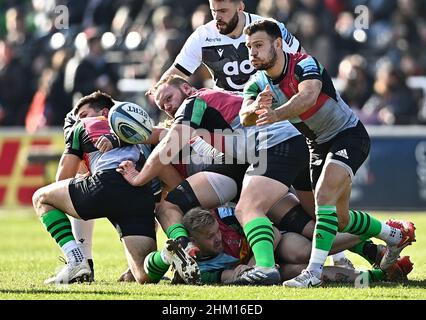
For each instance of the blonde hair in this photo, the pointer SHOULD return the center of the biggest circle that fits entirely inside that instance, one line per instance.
(196, 219)
(172, 80)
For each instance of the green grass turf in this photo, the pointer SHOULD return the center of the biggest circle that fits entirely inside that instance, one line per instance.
(28, 256)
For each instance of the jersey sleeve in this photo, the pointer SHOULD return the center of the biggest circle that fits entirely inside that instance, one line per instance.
(290, 42)
(190, 56)
(69, 122)
(192, 111)
(73, 140)
(307, 69)
(251, 89)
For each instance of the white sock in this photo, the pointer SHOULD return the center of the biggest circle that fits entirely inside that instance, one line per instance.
(83, 233)
(316, 262)
(390, 235)
(72, 251)
(338, 256)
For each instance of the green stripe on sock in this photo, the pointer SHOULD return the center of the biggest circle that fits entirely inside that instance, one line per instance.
(64, 238)
(176, 231)
(154, 266)
(58, 225)
(363, 224)
(260, 235)
(360, 225)
(251, 234)
(325, 227)
(329, 221)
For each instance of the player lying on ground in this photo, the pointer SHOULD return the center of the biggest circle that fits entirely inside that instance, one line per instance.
(224, 254)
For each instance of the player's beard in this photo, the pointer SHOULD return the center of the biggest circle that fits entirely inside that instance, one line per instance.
(270, 61)
(230, 26)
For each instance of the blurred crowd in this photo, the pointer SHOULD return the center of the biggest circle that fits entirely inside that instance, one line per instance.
(52, 52)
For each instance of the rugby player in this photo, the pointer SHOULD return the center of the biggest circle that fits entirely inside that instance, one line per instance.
(220, 45)
(224, 251)
(103, 193)
(297, 88)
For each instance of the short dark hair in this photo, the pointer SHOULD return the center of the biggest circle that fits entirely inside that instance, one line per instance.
(96, 100)
(196, 219)
(268, 25)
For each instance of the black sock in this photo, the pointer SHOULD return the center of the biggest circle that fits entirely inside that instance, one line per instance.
(91, 265)
(370, 250)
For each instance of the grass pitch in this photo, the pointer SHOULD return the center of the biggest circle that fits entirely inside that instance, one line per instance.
(28, 256)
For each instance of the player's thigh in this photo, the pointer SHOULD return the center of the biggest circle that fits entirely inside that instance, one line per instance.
(282, 207)
(168, 214)
(203, 190)
(333, 183)
(56, 195)
(226, 179)
(307, 201)
(260, 193)
(293, 248)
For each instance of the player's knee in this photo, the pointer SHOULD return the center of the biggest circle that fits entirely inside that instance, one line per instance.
(184, 197)
(249, 207)
(38, 199)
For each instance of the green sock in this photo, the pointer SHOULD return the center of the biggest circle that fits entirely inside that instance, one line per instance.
(260, 236)
(176, 231)
(375, 275)
(58, 225)
(362, 224)
(325, 227)
(360, 249)
(154, 266)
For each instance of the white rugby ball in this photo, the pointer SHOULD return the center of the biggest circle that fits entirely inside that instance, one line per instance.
(130, 122)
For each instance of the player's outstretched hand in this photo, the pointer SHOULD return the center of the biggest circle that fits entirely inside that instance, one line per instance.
(128, 170)
(265, 98)
(266, 115)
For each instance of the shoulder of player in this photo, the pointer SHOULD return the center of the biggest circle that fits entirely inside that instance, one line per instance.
(253, 17)
(303, 60)
(206, 30)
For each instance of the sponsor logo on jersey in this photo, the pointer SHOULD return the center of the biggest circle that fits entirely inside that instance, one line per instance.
(213, 39)
(232, 68)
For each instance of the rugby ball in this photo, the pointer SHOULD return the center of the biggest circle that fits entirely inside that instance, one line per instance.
(130, 122)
